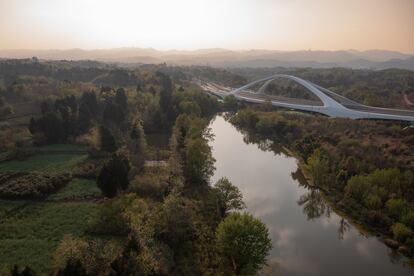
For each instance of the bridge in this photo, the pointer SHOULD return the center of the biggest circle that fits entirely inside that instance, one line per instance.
(330, 104)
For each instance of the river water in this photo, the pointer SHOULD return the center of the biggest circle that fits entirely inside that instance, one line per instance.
(309, 238)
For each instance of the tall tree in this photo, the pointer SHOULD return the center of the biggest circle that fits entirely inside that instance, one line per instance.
(121, 98)
(199, 162)
(113, 177)
(165, 93)
(228, 197)
(243, 243)
(108, 142)
(137, 145)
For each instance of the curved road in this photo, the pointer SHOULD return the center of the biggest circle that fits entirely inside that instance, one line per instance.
(340, 107)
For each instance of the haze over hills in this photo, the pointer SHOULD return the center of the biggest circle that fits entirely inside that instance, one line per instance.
(374, 59)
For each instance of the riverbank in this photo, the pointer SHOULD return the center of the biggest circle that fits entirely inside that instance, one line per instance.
(309, 236)
(352, 217)
(353, 163)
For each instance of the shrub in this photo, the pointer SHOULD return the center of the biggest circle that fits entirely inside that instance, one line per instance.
(110, 219)
(372, 202)
(408, 219)
(401, 232)
(396, 207)
(31, 185)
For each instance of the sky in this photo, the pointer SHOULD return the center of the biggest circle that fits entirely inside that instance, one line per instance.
(196, 24)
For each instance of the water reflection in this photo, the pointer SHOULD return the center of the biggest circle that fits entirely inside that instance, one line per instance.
(308, 236)
(314, 205)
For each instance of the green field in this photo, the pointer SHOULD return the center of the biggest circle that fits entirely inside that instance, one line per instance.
(60, 148)
(30, 234)
(31, 230)
(77, 189)
(51, 162)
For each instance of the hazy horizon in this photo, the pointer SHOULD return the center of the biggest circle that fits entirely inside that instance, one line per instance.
(202, 49)
(295, 25)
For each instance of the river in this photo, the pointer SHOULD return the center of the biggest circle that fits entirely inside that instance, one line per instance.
(309, 238)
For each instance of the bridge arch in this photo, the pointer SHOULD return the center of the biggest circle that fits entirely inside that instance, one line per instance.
(334, 105)
(325, 99)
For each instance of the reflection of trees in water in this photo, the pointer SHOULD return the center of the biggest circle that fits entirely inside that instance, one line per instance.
(261, 142)
(344, 227)
(394, 256)
(299, 177)
(314, 205)
(272, 268)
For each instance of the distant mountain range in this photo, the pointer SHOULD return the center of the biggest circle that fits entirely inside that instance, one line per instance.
(373, 59)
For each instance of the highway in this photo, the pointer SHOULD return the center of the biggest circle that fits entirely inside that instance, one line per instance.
(331, 103)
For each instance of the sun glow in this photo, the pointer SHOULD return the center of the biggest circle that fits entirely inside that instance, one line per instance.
(190, 24)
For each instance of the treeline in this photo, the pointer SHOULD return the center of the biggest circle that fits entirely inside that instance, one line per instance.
(366, 167)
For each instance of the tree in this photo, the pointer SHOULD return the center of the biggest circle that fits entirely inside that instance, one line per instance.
(396, 207)
(27, 271)
(190, 108)
(84, 118)
(53, 128)
(121, 98)
(90, 103)
(175, 222)
(165, 93)
(73, 267)
(318, 166)
(108, 142)
(113, 114)
(401, 232)
(113, 176)
(228, 197)
(243, 243)
(137, 145)
(45, 107)
(199, 162)
(230, 103)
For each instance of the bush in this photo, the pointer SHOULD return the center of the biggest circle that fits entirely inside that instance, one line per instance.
(372, 202)
(30, 185)
(396, 207)
(401, 232)
(110, 219)
(408, 219)
(376, 218)
(154, 185)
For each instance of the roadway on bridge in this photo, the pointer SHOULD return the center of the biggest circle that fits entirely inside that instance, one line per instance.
(341, 107)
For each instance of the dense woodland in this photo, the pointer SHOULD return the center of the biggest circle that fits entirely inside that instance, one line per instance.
(86, 190)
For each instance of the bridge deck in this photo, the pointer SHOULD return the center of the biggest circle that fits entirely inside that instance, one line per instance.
(399, 112)
(281, 99)
(341, 107)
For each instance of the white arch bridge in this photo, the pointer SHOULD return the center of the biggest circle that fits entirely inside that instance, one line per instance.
(331, 103)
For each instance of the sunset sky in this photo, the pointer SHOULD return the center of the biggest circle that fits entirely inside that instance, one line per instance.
(194, 24)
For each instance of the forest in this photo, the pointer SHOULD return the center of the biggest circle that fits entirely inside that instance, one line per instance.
(106, 171)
